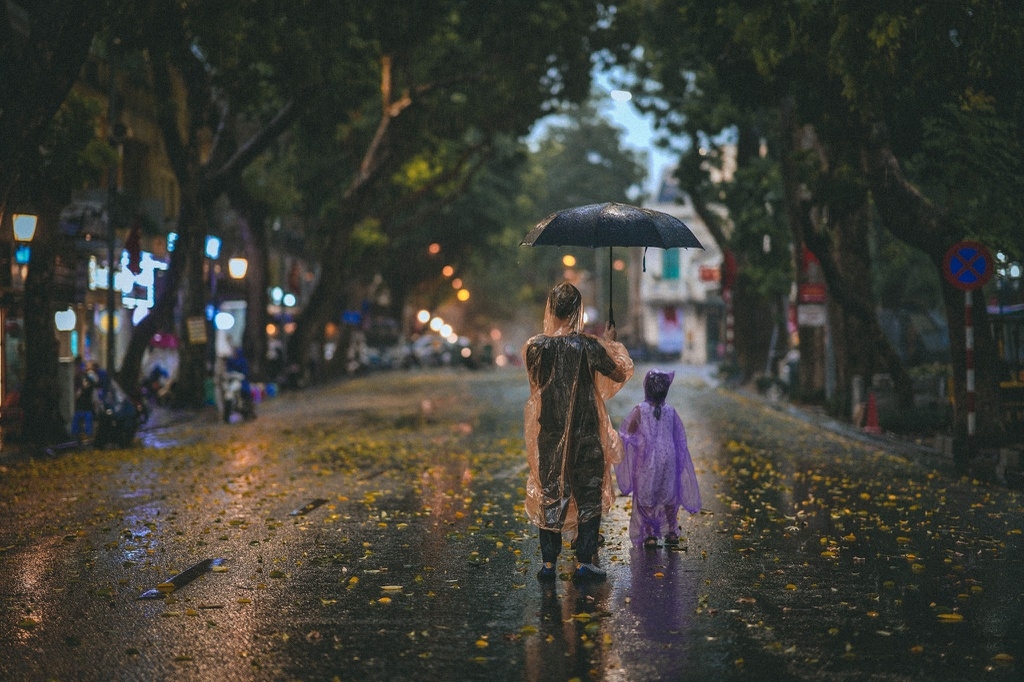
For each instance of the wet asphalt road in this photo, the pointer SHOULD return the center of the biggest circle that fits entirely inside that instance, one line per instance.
(816, 557)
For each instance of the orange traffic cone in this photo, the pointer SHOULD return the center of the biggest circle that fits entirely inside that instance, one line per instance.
(871, 424)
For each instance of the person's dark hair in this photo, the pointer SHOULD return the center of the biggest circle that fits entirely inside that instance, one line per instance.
(656, 384)
(565, 300)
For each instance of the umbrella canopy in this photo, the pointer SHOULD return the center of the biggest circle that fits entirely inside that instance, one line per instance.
(611, 224)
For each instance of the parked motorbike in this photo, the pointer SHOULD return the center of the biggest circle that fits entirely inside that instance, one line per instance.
(118, 417)
(235, 396)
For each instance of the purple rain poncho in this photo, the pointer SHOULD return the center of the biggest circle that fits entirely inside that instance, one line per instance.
(656, 469)
(571, 444)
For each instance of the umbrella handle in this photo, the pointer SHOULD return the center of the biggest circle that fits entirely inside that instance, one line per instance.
(611, 269)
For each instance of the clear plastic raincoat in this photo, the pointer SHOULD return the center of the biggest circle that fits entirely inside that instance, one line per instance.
(657, 469)
(571, 444)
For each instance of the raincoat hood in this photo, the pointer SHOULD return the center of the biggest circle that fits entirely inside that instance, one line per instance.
(656, 384)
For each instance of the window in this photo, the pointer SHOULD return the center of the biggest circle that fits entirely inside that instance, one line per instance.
(670, 264)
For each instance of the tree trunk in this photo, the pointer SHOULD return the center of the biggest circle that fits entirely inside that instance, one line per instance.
(44, 423)
(254, 236)
(756, 317)
(322, 306)
(193, 356)
(861, 346)
(916, 220)
(837, 236)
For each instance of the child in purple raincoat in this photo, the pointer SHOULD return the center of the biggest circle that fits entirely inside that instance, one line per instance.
(656, 469)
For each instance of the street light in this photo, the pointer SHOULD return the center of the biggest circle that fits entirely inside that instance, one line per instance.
(212, 247)
(24, 231)
(65, 320)
(24, 226)
(237, 267)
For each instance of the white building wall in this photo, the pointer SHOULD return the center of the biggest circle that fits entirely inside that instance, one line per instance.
(691, 295)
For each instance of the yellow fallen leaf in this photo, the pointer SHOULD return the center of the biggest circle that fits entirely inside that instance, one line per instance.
(166, 588)
(659, 574)
(528, 630)
(950, 617)
(790, 586)
(1003, 658)
(385, 600)
(244, 600)
(219, 569)
(482, 643)
(391, 588)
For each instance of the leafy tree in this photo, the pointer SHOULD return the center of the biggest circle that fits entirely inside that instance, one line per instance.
(867, 95)
(42, 48)
(246, 72)
(451, 79)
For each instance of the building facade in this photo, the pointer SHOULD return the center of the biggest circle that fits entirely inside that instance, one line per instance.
(675, 294)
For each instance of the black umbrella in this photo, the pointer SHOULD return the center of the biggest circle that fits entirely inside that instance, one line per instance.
(611, 224)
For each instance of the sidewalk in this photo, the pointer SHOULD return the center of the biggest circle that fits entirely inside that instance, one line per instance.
(160, 417)
(1004, 466)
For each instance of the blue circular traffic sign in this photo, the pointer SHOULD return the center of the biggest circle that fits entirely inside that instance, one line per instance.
(968, 265)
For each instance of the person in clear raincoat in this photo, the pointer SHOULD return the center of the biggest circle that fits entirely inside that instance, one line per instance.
(657, 469)
(570, 442)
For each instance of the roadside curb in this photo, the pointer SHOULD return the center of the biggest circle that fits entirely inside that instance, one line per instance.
(1002, 467)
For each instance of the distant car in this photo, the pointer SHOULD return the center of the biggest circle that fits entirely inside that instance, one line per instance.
(429, 351)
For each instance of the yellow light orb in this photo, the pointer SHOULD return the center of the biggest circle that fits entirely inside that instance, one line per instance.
(568, 260)
(463, 295)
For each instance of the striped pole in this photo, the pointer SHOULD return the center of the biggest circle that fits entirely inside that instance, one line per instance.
(969, 348)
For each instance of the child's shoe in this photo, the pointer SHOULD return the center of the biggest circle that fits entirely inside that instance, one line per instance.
(671, 539)
(651, 542)
(589, 573)
(547, 573)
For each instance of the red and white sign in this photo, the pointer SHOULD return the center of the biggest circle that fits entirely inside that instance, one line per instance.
(810, 315)
(810, 292)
